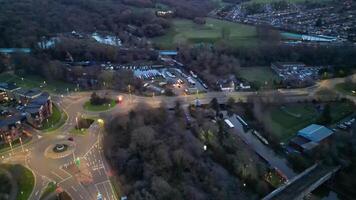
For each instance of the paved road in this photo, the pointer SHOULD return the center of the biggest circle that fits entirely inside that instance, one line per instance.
(262, 150)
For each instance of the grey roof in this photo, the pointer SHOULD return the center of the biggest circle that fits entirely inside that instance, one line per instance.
(315, 133)
(29, 93)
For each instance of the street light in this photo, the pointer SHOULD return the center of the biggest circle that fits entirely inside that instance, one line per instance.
(101, 122)
(21, 144)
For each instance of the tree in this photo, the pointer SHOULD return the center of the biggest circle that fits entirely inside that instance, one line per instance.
(214, 104)
(325, 117)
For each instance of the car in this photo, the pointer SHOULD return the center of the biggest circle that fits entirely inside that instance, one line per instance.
(71, 139)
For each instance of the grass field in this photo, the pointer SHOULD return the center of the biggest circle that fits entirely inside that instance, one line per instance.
(24, 178)
(186, 31)
(57, 119)
(259, 76)
(347, 88)
(290, 1)
(96, 108)
(287, 120)
(31, 81)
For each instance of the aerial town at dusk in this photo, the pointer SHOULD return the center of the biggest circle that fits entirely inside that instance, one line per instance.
(178, 100)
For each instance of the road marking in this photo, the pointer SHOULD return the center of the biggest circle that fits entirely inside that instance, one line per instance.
(57, 175)
(70, 175)
(106, 190)
(64, 180)
(74, 189)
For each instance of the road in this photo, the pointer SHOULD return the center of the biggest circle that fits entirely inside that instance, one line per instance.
(262, 150)
(89, 148)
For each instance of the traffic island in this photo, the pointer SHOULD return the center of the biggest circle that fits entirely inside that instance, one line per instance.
(99, 103)
(99, 107)
(82, 125)
(60, 149)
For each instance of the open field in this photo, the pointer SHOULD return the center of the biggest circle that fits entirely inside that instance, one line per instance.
(186, 31)
(285, 121)
(24, 178)
(347, 88)
(259, 76)
(31, 81)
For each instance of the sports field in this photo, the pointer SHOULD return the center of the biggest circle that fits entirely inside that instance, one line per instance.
(186, 31)
(287, 120)
(259, 76)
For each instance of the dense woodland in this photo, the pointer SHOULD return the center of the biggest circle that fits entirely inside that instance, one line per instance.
(156, 157)
(24, 22)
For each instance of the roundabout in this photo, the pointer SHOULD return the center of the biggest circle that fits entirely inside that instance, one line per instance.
(60, 149)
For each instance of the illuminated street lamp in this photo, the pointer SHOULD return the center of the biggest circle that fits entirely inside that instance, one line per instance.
(101, 122)
(76, 122)
(21, 144)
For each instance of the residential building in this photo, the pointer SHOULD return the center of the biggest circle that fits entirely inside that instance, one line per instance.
(7, 91)
(24, 96)
(39, 109)
(11, 128)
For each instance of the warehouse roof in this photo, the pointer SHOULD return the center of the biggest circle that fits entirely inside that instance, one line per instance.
(315, 133)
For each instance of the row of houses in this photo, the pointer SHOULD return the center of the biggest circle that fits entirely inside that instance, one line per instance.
(31, 106)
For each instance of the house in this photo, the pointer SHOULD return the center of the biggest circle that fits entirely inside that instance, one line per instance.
(310, 137)
(228, 84)
(7, 91)
(164, 13)
(11, 128)
(39, 109)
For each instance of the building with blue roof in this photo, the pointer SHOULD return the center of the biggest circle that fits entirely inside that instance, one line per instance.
(315, 133)
(310, 137)
(168, 53)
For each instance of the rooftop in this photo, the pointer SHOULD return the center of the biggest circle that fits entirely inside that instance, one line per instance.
(8, 86)
(288, 64)
(315, 133)
(12, 120)
(29, 93)
(168, 53)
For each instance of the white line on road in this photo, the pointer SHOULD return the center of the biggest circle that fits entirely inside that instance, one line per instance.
(57, 175)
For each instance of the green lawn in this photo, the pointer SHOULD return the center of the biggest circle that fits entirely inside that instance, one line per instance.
(290, 1)
(347, 88)
(259, 76)
(186, 31)
(287, 120)
(57, 119)
(96, 108)
(24, 178)
(31, 81)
